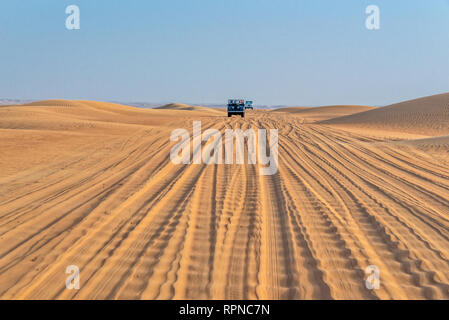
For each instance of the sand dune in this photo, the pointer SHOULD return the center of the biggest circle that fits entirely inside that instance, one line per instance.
(427, 116)
(290, 109)
(178, 106)
(186, 107)
(313, 114)
(91, 184)
(430, 143)
(71, 115)
(436, 147)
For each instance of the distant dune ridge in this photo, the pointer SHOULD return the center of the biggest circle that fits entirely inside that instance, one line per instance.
(186, 107)
(177, 106)
(324, 112)
(290, 109)
(69, 115)
(427, 116)
(56, 103)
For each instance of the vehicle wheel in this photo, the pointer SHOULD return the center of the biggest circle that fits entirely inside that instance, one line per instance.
(243, 115)
(229, 115)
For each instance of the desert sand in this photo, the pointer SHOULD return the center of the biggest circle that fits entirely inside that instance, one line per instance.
(426, 116)
(91, 184)
(313, 114)
(184, 107)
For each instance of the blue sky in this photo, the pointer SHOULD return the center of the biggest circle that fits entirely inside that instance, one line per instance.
(294, 52)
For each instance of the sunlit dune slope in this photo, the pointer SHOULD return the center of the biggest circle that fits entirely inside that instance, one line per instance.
(323, 113)
(435, 146)
(73, 115)
(426, 116)
(186, 107)
(178, 106)
(290, 109)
